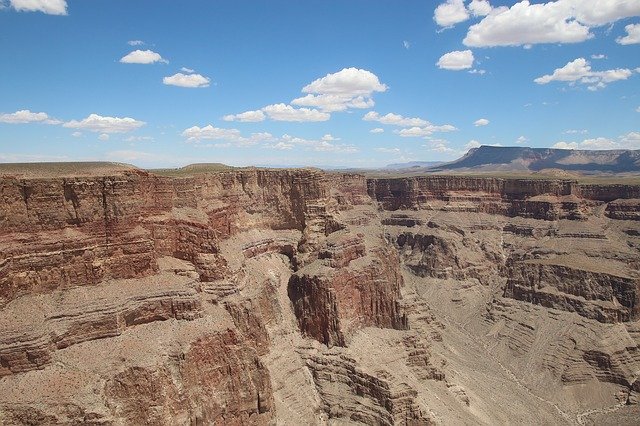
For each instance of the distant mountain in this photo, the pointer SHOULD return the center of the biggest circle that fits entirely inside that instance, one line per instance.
(412, 164)
(512, 159)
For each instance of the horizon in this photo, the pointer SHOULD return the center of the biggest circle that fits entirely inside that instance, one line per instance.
(165, 85)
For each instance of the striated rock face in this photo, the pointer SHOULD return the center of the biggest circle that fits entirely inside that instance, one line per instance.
(250, 296)
(346, 290)
(597, 295)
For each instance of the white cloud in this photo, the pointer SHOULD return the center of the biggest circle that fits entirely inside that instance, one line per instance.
(348, 81)
(477, 71)
(135, 42)
(414, 127)
(480, 7)
(50, 7)
(139, 139)
(329, 138)
(25, 116)
(522, 139)
(456, 60)
(425, 131)
(471, 144)
(324, 144)
(76, 134)
(562, 21)
(282, 112)
(394, 119)
(334, 102)
(440, 146)
(98, 123)
(381, 130)
(246, 117)
(233, 137)
(348, 88)
(388, 150)
(142, 57)
(638, 109)
(187, 70)
(633, 35)
(450, 13)
(579, 71)
(187, 80)
(103, 137)
(406, 44)
(196, 133)
(576, 132)
(481, 122)
(565, 145)
(630, 140)
(599, 56)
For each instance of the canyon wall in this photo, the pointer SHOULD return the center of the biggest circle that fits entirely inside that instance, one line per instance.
(131, 296)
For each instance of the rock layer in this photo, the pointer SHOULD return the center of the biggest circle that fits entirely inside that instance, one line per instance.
(296, 296)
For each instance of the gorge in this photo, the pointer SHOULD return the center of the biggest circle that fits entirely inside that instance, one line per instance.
(298, 296)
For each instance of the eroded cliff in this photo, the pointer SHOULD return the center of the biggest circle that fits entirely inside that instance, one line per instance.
(296, 296)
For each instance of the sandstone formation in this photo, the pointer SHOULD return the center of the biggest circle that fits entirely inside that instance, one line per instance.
(252, 296)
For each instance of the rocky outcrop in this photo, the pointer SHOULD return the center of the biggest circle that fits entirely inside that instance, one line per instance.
(353, 395)
(332, 302)
(203, 293)
(601, 296)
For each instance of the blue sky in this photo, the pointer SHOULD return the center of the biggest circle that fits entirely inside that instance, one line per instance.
(358, 83)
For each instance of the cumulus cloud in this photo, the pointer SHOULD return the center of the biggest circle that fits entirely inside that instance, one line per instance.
(233, 137)
(187, 80)
(481, 122)
(471, 144)
(196, 133)
(381, 130)
(76, 134)
(630, 140)
(25, 116)
(246, 117)
(349, 81)
(187, 70)
(414, 127)
(440, 146)
(142, 57)
(450, 13)
(324, 144)
(394, 119)
(103, 137)
(522, 139)
(425, 131)
(98, 123)
(135, 42)
(561, 21)
(283, 112)
(456, 60)
(50, 7)
(406, 44)
(598, 56)
(633, 35)
(348, 88)
(480, 7)
(579, 71)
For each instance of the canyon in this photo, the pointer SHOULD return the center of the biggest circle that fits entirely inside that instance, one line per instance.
(299, 296)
